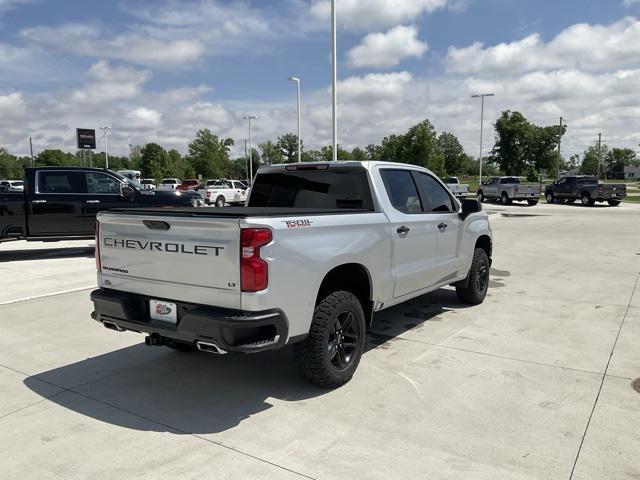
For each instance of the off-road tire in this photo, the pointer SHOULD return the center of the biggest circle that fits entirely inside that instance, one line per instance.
(475, 291)
(220, 201)
(314, 357)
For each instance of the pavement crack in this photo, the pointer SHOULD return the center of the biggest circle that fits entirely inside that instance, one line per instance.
(604, 376)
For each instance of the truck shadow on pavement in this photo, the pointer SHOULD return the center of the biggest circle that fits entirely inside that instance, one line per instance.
(46, 254)
(195, 393)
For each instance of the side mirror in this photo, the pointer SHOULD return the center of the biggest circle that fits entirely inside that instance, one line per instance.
(469, 206)
(127, 191)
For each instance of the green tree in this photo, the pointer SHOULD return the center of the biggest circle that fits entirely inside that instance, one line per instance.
(55, 158)
(593, 160)
(154, 161)
(359, 154)
(288, 145)
(618, 158)
(271, 153)
(512, 135)
(419, 146)
(374, 152)
(312, 156)
(326, 153)
(456, 162)
(209, 155)
(11, 167)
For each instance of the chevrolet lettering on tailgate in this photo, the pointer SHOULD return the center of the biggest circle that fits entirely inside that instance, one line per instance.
(131, 244)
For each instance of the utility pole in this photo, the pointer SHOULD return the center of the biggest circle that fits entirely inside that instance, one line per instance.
(297, 80)
(559, 142)
(246, 161)
(105, 130)
(31, 149)
(249, 118)
(334, 94)
(481, 97)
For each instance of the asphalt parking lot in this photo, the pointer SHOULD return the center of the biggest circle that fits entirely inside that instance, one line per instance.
(533, 384)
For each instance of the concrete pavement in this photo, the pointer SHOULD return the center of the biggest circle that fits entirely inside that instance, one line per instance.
(533, 384)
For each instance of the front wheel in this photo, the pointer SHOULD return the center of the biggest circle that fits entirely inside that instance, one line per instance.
(481, 197)
(220, 201)
(613, 203)
(477, 282)
(549, 197)
(504, 198)
(331, 352)
(532, 202)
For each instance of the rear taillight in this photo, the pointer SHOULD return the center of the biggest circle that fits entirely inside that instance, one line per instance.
(96, 230)
(600, 189)
(254, 271)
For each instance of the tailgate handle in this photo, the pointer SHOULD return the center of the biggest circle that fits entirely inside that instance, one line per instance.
(156, 224)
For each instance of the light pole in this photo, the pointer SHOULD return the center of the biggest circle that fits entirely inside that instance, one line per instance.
(334, 93)
(481, 96)
(249, 118)
(297, 80)
(105, 130)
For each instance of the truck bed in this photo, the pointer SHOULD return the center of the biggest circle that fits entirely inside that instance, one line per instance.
(238, 212)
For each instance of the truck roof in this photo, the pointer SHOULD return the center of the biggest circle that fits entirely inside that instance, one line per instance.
(338, 165)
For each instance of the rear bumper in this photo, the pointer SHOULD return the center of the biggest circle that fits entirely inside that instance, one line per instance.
(231, 330)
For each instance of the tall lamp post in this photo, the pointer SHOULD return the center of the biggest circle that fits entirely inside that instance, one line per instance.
(105, 130)
(249, 118)
(481, 96)
(297, 80)
(334, 93)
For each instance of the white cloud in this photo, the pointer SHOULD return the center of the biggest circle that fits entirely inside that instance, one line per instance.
(629, 3)
(90, 41)
(584, 46)
(374, 13)
(387, 49)
(108, 83)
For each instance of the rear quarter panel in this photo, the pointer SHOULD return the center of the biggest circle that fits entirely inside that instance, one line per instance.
(305, 249)
(12, 213)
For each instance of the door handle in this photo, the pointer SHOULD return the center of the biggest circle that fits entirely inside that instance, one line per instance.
(92, 201)
(403, 231)
(36, 202)
(442, 227)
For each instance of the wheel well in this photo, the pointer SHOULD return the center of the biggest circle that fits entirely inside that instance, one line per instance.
(350, 277)
(484, 242)
(585, 191)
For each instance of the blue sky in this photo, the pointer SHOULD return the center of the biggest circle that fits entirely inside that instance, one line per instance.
(158, 71)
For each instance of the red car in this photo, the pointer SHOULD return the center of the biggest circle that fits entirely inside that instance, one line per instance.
(190, 184)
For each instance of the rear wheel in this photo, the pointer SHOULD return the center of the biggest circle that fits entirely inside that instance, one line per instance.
(613, 203)
(532, 202)
(220, 201)
(586, 200)
(549, 197)
(504, 198)
(477, 285)
(331, 352)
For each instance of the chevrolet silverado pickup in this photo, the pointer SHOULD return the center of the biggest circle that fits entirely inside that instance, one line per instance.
(586, 189)
(507, 190)
(318, 249)
(62, 202)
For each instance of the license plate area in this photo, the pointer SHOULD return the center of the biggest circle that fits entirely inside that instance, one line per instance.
(162, 311)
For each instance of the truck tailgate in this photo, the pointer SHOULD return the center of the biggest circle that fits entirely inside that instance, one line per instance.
(190, 258)
(527, 189)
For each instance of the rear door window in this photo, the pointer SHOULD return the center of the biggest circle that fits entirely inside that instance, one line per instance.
(435, 199)
(402, 190)
(61, 182)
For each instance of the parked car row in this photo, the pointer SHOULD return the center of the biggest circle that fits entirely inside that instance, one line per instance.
(11, 186)
(568, 189)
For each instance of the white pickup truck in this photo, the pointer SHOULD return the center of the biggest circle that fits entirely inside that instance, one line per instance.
(319, 248)
(458, 189)
(222, 192)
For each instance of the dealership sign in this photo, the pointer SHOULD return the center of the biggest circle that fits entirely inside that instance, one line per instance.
(86, 138)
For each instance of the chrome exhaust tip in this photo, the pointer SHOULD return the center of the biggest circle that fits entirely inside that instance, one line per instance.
(112, 326)
(210, 348)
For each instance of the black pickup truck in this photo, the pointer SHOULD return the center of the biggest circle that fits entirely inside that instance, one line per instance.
(586, 189)
(61, 203)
